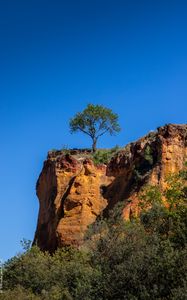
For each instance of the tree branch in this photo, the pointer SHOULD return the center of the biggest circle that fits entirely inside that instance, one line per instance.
(85, 132)
(102, 133)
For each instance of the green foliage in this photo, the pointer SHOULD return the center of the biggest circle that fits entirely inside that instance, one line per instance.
(95, 121)
(148, 155)
(176, 192)
(141, 259)
(65, 275)
(19, 293)
(103, 156)
(138, 264)
(26, 244)
(143, 165)
(151, 195)
(167, 218)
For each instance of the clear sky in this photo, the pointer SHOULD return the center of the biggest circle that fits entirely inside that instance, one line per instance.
(58, 56)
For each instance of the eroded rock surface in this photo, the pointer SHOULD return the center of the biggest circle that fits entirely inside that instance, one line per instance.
(70, 195)
(73, 192)
(148, 161)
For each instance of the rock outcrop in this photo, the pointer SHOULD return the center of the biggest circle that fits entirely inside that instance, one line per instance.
(148, 161)
(73, 192)
(70, 193)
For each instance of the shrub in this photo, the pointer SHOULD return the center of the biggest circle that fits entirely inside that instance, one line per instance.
(103, 156)
(140, 259)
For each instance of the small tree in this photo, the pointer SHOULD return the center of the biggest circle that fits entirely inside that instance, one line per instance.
(95, 121)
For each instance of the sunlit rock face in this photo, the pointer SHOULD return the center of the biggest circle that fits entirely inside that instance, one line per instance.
(73, 192)
(70, 193)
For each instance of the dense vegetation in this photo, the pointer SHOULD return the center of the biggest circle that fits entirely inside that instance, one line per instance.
(145, 258)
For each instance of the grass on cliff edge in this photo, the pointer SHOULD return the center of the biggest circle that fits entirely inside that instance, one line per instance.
(101, 156)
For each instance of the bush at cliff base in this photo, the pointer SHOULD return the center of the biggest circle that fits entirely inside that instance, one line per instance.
(144, 258)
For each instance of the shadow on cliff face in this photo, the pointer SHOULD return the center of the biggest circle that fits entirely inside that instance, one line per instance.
(147, 161)
(131, 168)
(45, 236)
(60, 212)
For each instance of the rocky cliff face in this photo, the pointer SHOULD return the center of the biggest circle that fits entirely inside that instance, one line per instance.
(148, 161)
(73, 191)
(70, 193)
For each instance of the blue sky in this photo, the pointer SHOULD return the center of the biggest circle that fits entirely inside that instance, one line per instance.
(58, 56)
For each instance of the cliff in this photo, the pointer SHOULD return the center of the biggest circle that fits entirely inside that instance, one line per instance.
(73, 192)
(69, 191)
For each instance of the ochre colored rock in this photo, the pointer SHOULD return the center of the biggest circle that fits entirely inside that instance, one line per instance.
(73, 192)
(148, 161)
(69, 190)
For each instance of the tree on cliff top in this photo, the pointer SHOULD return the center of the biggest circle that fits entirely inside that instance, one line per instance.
(95, 121)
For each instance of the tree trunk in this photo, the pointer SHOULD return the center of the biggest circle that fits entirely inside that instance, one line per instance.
(94, 145)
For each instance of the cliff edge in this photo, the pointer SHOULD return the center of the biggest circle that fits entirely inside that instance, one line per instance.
(73, 192)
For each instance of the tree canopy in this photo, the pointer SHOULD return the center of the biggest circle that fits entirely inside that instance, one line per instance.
(95, 121)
